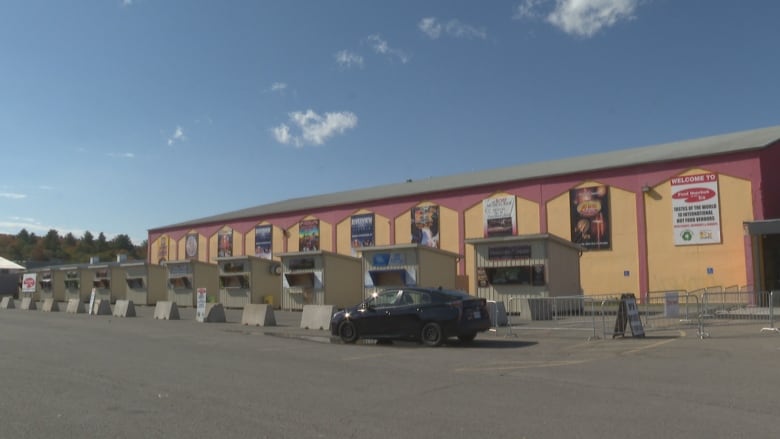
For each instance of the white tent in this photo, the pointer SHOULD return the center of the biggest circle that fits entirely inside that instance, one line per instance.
(12, 267)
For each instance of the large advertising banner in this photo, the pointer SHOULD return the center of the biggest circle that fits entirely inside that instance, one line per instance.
(162, 251)
(191, 246)
(362, 233)
(590, 217)
(425, 226)
(225, 243)
(309, 235)
(500, 216)
(263, 242)
(695, 209)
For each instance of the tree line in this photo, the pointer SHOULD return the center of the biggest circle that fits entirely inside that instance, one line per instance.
(30, 250)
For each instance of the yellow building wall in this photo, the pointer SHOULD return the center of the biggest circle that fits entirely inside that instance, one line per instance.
(277, 241)
(155, 250)
(672, 267)
(603, 271)
(344, 232)
(527, 223)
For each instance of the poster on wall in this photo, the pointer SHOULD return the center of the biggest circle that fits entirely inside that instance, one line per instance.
(309, 235)
(225, 243)
(500, 216)
(425, 226)
(263, 242)
(695, 209)
(590, 225)
(362, 227)
(162, 251)
(191, 246)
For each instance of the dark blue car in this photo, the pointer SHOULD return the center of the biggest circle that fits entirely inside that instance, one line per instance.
(430, 315)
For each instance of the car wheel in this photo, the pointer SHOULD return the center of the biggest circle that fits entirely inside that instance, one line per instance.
(466, 338)
(431, 334)
(348, 332)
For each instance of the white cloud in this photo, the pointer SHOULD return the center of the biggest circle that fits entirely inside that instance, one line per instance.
(314, 129)
(122, 155)
(381, 47)
(12, 196)
(178, 136)
(454, 28)
(127, 2)
(587, 17)
(278, 86)
(528, 9)
(583, 18)
(347, 59)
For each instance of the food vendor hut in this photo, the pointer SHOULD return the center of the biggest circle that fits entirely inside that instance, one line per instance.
(248, 279)
(320, 278)
(517, 270)
(407, 265)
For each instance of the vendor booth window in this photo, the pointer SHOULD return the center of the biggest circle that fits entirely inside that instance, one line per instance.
(233, 267)
(46, 285)
(180, 282)
(300, 279)
(102, 283)
(135, 283)
(382, 278)
(234, 281)
(509, 275)
(72, 284)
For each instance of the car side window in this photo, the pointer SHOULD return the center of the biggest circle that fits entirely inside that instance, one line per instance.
(383, 299)
(414, 298)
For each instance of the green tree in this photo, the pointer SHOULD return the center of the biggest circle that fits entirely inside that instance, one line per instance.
(102, 244)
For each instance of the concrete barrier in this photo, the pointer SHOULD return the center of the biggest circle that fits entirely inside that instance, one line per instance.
(215, 313)
(258, 315)
(166, 310)
(8, 303)
(317, 316)
(101, 308)
(75, 306)
(49, 305)
(124, 308)
(28, 304)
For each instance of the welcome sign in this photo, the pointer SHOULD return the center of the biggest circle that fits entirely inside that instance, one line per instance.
(695, 209)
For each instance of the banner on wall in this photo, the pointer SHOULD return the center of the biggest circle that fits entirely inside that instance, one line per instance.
(362, 227)
(309, 235)
(695, 209)
(590, 220)
(263, 241)
(425, 226)
(162, 251)
(500, 216)
(191, 246)
(225, 243)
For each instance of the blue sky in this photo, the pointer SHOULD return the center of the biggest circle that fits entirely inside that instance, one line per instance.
(120, 116)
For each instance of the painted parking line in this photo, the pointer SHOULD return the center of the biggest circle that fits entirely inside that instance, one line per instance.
(519, 365)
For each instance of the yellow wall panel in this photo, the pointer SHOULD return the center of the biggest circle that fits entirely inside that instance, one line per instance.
(603, 271)
(672, 267)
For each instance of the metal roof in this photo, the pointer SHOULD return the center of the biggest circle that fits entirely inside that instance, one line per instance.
(705, 146)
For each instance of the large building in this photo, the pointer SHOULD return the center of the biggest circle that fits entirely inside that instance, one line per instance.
(678, 216)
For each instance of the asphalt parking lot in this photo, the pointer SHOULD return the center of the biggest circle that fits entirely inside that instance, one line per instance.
(74, 375)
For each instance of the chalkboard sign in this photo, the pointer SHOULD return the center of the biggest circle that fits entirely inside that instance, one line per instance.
(628, 314)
